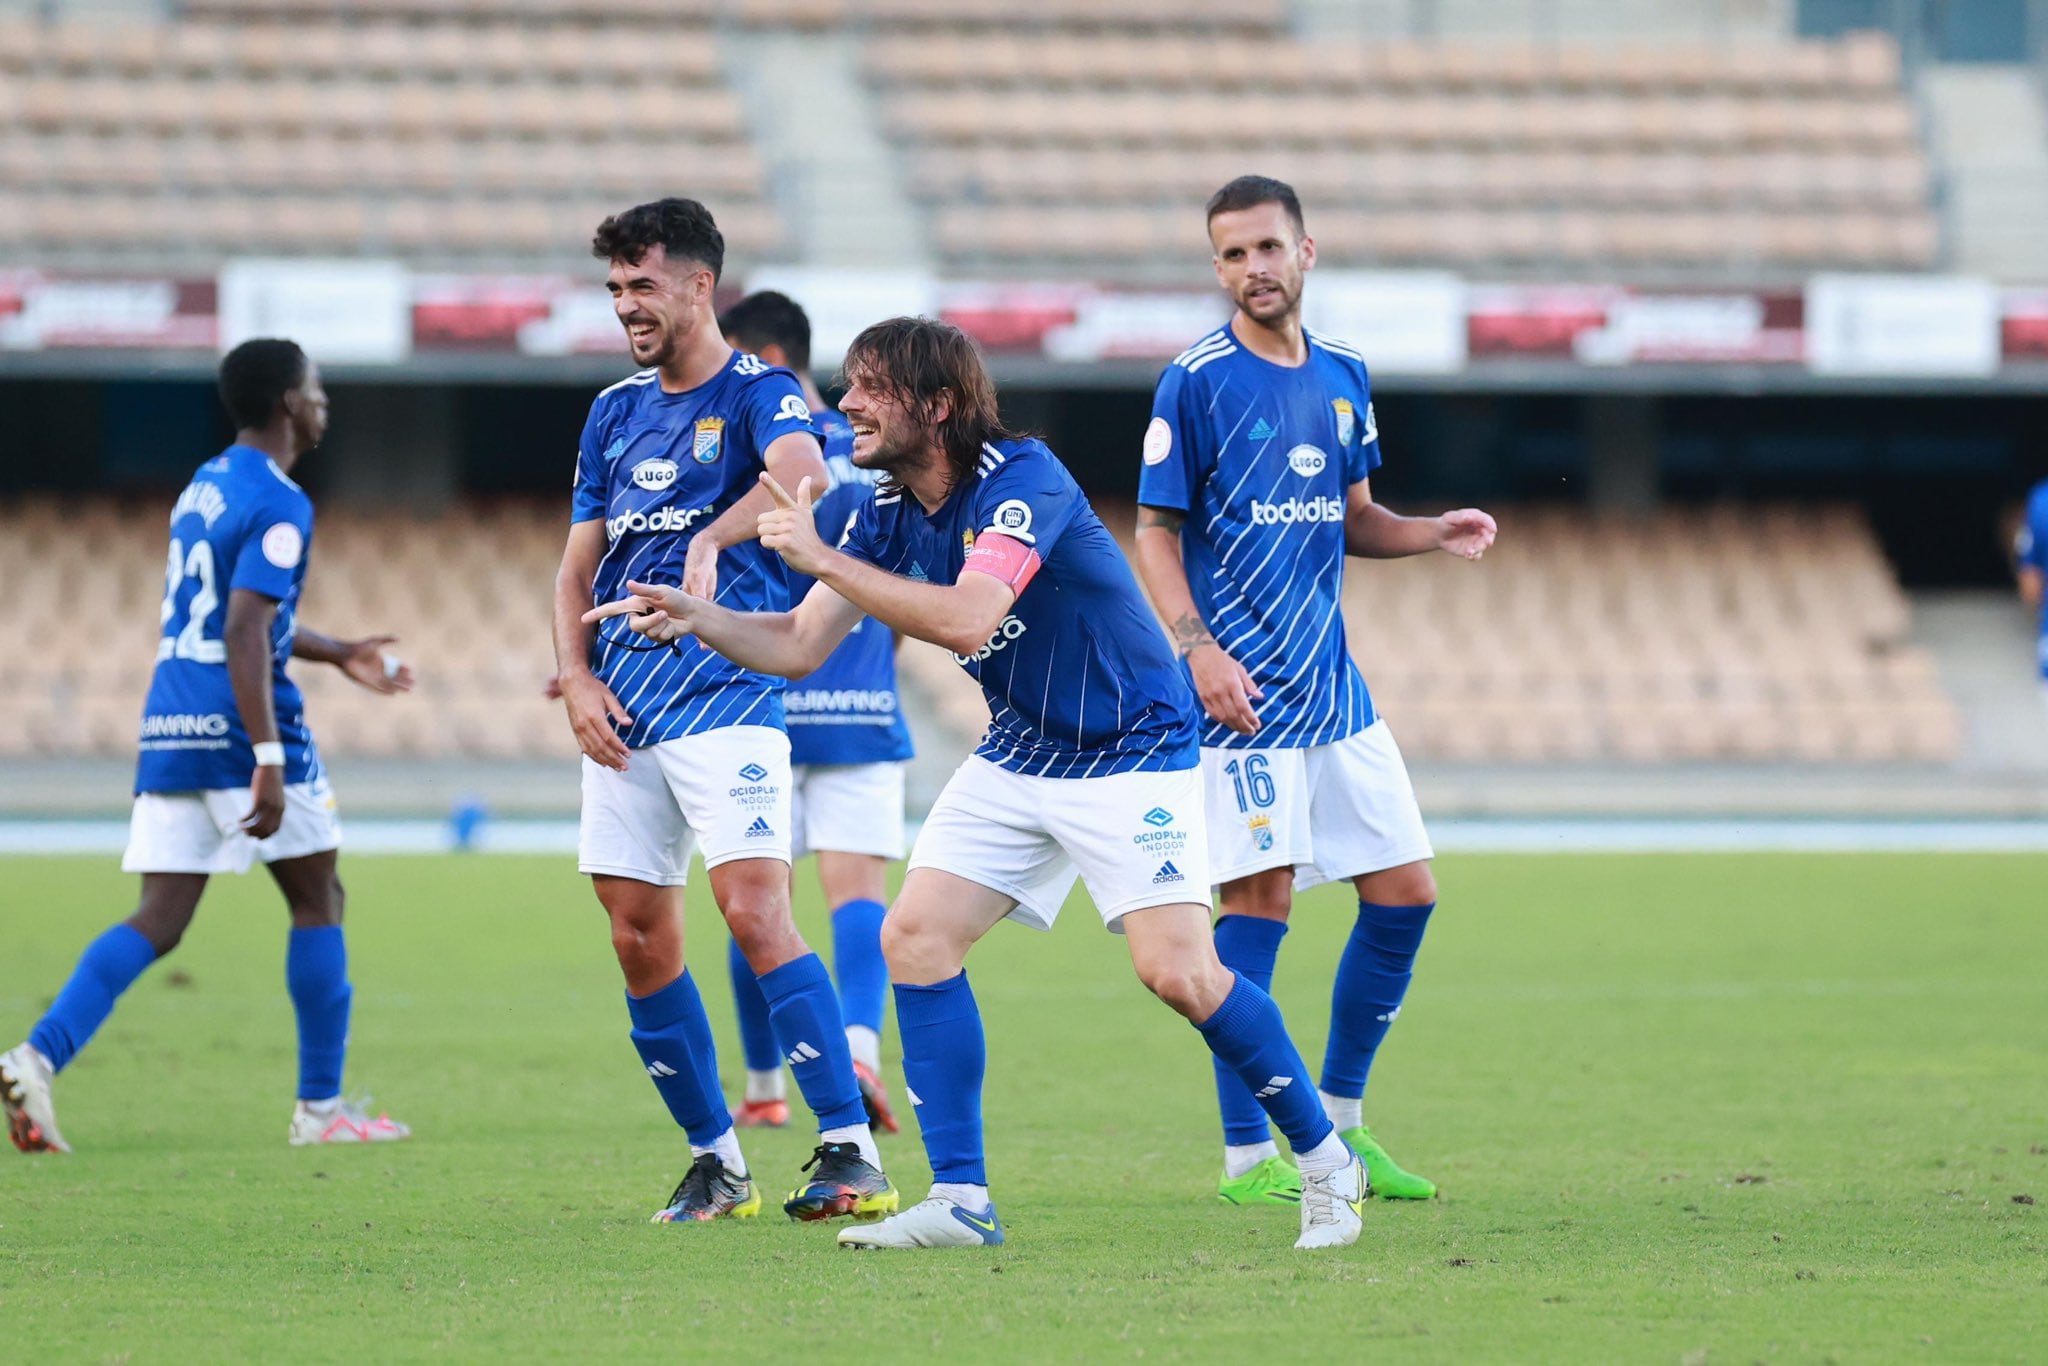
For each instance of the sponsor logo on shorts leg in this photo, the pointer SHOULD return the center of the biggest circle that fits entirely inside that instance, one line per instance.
(753, 794)
(1159, 815)
(1167, 873)
(1262, 832)
(760, 829)
(753, 773)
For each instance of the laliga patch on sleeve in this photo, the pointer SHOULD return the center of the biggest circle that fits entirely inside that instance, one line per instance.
(793, 409)
(282, 545)
(1158, 441)
(1012, 517)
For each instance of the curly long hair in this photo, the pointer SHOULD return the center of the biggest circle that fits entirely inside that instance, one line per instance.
(923, 361)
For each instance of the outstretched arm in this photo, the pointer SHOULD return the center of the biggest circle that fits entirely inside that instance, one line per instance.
(364, 661)
(790, 644)
(792, 457)
(1378, 533)
(1224, 685)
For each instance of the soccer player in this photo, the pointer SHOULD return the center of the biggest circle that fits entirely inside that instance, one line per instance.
(1254, 488)
(228, 772)
(680, 746)
(847, 748)
(980, 541)
(2030, 553)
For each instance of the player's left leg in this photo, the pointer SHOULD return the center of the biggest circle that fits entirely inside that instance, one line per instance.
(107, 968)
(316, 975)
(1175, 957)
(1369, 830)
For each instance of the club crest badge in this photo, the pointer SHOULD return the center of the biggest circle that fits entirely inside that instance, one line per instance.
(1262, 832)
(710, 438)
(966, 543)
(1347, 420)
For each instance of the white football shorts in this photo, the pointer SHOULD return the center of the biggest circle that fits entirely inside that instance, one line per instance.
(199, 832)
(1135, 839)
(724, 791)
(847, 809)
(1330, 812)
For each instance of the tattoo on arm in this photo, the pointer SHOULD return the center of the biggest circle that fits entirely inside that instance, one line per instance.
(1189, 632)
(1164, 518)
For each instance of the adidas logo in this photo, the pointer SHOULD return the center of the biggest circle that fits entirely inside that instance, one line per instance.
(759, 828)
(1273, 1087)
(659, 1069)
(915, 1098)
(1390, 1016)
(917, 574)
(1262, 430)
(1167, 873)
(802, 1053)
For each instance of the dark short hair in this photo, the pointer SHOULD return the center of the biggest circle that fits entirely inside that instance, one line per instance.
(921, 360)
(681, 227)
(255, 377)
(769, 318)
(1250, 191)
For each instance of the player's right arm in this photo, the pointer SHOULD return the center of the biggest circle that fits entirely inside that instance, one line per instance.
(593, 709)
(247, 634)
(788, 644)
(1167, 482)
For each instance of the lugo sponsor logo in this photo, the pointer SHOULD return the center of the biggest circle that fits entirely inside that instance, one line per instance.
(661, 519)
(1307, 461)
(1295, 510)
(1000, 640)
(655, 475)
(185, 726)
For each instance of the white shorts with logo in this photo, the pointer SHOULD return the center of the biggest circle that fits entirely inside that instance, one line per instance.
(1135, 839)
(723, 791)
(847, 809)
(199, 832)
(1330, 812)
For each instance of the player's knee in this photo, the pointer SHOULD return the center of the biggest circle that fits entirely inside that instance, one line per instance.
(917, 950)
(163, 929)
(1183, 986)
(1412, 884)
(320, 907)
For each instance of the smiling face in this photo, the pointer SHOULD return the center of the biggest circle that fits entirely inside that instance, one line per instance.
(888, 433)
(1261, 259)
(658, 301)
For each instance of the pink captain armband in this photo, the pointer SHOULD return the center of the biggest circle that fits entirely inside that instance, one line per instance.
(1001, 557)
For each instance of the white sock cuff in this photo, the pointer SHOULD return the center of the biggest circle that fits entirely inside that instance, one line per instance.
(765, 1085)
(1346, 1112)
(865, 1045)
(1239, 1158)
(1330, 1155)
(961, 1194)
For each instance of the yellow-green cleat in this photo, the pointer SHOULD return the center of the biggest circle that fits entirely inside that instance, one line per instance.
(1385, 1176)
(1272, 1182)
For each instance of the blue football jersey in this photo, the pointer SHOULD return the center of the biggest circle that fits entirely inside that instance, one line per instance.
(1080, 681)
(846, 712)
(2032, 547)
(1260, 458)
(655, 466)
(240, 523)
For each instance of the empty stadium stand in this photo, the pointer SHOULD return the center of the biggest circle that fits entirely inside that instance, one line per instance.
(1727, 633)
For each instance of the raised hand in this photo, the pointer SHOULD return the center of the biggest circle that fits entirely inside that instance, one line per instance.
(1467, 532)
(369, 665)
(790, 528)
(655, 610)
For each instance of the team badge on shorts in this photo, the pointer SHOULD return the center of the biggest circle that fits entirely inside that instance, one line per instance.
(1347, 420)
(1262, 832)
(710, 436)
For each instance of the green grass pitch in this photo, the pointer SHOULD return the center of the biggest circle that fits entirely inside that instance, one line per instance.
(1715, 1108)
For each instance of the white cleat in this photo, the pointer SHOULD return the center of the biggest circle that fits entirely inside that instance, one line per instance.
(937, 1222)
(348, 1122)
(1333, 1206)
(25, 1077)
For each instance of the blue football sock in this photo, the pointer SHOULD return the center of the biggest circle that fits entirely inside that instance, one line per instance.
(757, 1032)
(1372, 977)
(673, 1036)
(1248, 946)
(109, 965)
(805, 1012)
(857, 963)
(1248, 1035)
(316, 975)
(944, 1060)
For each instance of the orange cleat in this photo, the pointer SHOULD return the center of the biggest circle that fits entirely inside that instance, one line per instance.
(876, 1097)
(761, 1114)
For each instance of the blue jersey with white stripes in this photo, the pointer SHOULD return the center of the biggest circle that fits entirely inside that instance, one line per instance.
(1260, 457)
(240, 523)
(656, 467)
(1079, 679)
(847, 711)
(2033, 552)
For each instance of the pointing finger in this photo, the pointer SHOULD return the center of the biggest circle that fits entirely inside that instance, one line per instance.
(777, 492)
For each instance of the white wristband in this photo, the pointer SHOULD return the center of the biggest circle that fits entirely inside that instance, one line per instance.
(269, 754)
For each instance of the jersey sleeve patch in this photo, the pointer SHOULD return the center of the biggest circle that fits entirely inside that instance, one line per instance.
(1158, 441)
(1002, 557)
(1012, 518)
(283, 545)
